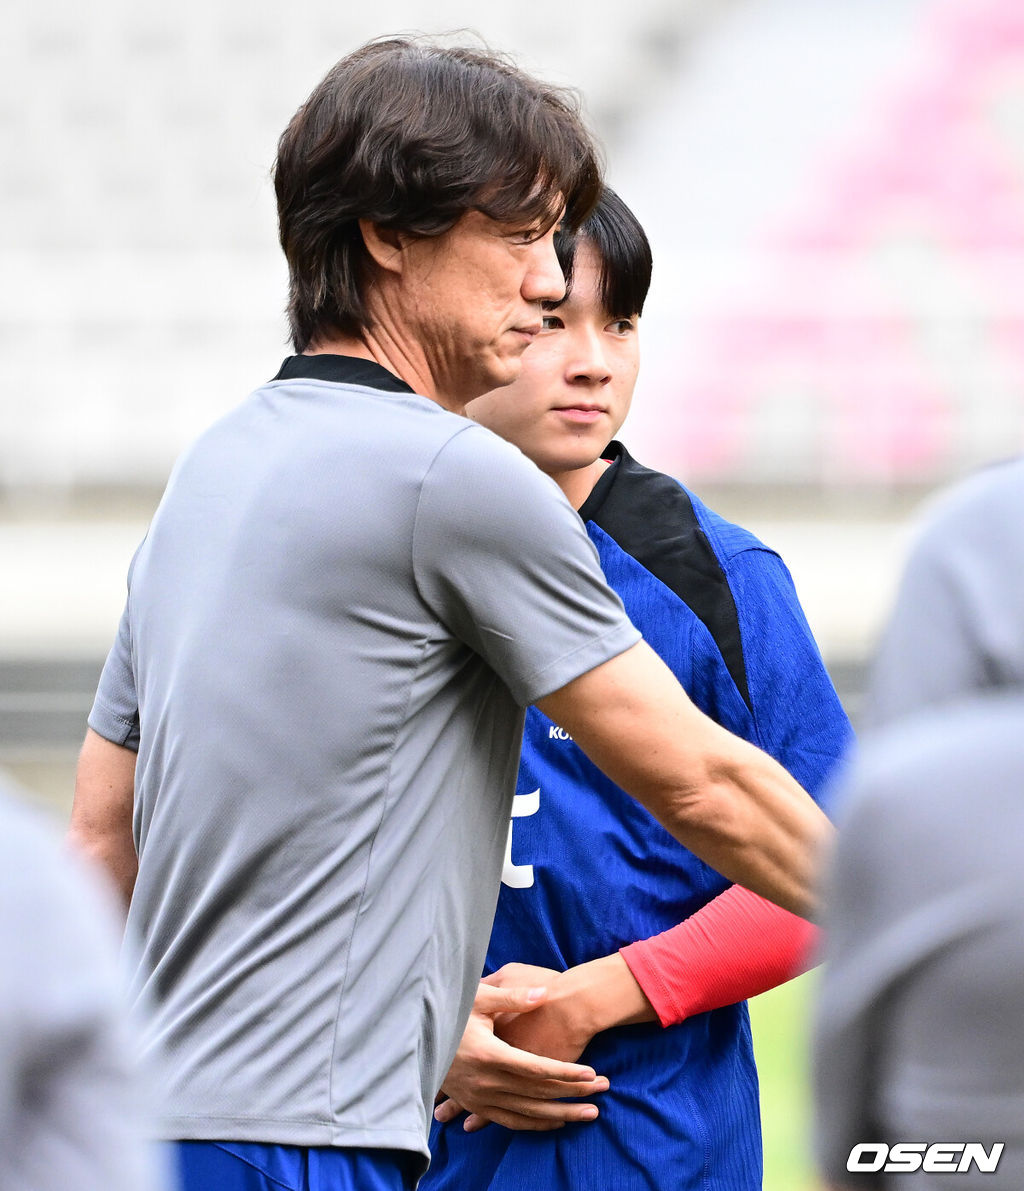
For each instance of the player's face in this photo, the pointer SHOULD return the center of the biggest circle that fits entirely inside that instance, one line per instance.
(473, 297)
(576, 383)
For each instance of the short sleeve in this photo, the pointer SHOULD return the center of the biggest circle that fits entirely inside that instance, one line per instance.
(929, 653)
(115, 709)
(956, 626)
(503, 561)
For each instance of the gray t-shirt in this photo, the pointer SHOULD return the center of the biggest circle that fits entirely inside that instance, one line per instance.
(70, 1109)
(919, 1034)
(345, 601)
(958, 625)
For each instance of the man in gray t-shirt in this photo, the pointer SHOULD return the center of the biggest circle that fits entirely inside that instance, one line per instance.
(332, 672)
(347, 597)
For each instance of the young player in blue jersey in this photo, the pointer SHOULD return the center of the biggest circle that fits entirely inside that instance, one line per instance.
(587, 872)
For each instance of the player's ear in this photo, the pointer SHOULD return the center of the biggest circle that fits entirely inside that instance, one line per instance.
(384, 245)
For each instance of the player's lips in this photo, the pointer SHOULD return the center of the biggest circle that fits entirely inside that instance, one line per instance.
(583, 411)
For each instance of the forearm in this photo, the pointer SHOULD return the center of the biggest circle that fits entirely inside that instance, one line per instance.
(101, 815)
(752, 822)
(724, 799)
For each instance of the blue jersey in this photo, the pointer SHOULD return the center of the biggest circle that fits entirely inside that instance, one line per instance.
(590, 870)
(255, 1166)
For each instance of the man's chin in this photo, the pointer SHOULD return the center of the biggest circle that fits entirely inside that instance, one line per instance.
(490, 370)
(504, 370)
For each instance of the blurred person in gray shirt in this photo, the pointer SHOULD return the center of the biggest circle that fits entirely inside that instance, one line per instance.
(920, 1020)
(919, 1037)
(958, 624)
(70, 1097)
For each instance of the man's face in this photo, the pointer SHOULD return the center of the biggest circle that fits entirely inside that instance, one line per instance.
(576, 383)
(472, 299)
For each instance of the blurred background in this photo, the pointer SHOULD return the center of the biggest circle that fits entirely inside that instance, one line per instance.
(834, 190)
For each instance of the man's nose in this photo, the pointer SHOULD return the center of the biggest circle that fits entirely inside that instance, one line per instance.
(544, 281)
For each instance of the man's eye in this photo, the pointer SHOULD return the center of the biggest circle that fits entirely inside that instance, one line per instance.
(623, 326)
(551, 322)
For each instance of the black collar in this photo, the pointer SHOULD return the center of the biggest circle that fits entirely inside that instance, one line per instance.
(342, 370)
(615, 452)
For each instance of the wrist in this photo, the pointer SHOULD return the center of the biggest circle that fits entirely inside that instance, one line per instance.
(605, 993)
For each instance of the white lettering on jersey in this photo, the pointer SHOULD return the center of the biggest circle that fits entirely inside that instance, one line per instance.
(557, 733)
(519, 876)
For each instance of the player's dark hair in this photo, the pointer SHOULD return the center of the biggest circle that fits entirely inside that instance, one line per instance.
(411, 134)
(623, 252)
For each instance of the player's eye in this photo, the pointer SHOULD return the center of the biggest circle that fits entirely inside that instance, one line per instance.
(551, 322)
(622, 326)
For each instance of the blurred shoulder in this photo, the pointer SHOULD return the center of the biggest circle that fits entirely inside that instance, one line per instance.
(993, 492)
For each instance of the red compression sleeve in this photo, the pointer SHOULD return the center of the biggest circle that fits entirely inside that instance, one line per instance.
(735, 947)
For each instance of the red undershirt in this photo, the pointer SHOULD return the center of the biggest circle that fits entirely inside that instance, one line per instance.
(735, 947)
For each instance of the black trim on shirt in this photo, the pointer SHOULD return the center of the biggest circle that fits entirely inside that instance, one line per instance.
(651, 517)
(600, 489)
(342, 370)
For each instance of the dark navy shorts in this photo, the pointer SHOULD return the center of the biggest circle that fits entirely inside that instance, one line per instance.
(256, 1166)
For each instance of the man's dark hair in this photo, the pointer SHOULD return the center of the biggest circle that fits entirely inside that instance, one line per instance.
(623, 253)
(411, 134)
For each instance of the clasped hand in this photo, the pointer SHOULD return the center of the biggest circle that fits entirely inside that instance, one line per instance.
(516, 1062)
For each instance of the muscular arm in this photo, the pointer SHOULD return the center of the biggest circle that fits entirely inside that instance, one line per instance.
(724, 799)
(737, 945)
(714, 792)
(101, 816)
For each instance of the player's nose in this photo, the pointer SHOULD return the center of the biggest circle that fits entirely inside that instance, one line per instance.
(588, 361)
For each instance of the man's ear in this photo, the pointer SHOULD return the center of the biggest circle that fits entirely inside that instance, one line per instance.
(384, 245)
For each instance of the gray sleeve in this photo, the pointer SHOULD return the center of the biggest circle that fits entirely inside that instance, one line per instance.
(115, 709)
(505, 564)
(929, 653)
(958, 625)
(885, 922)
(71, 1113)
